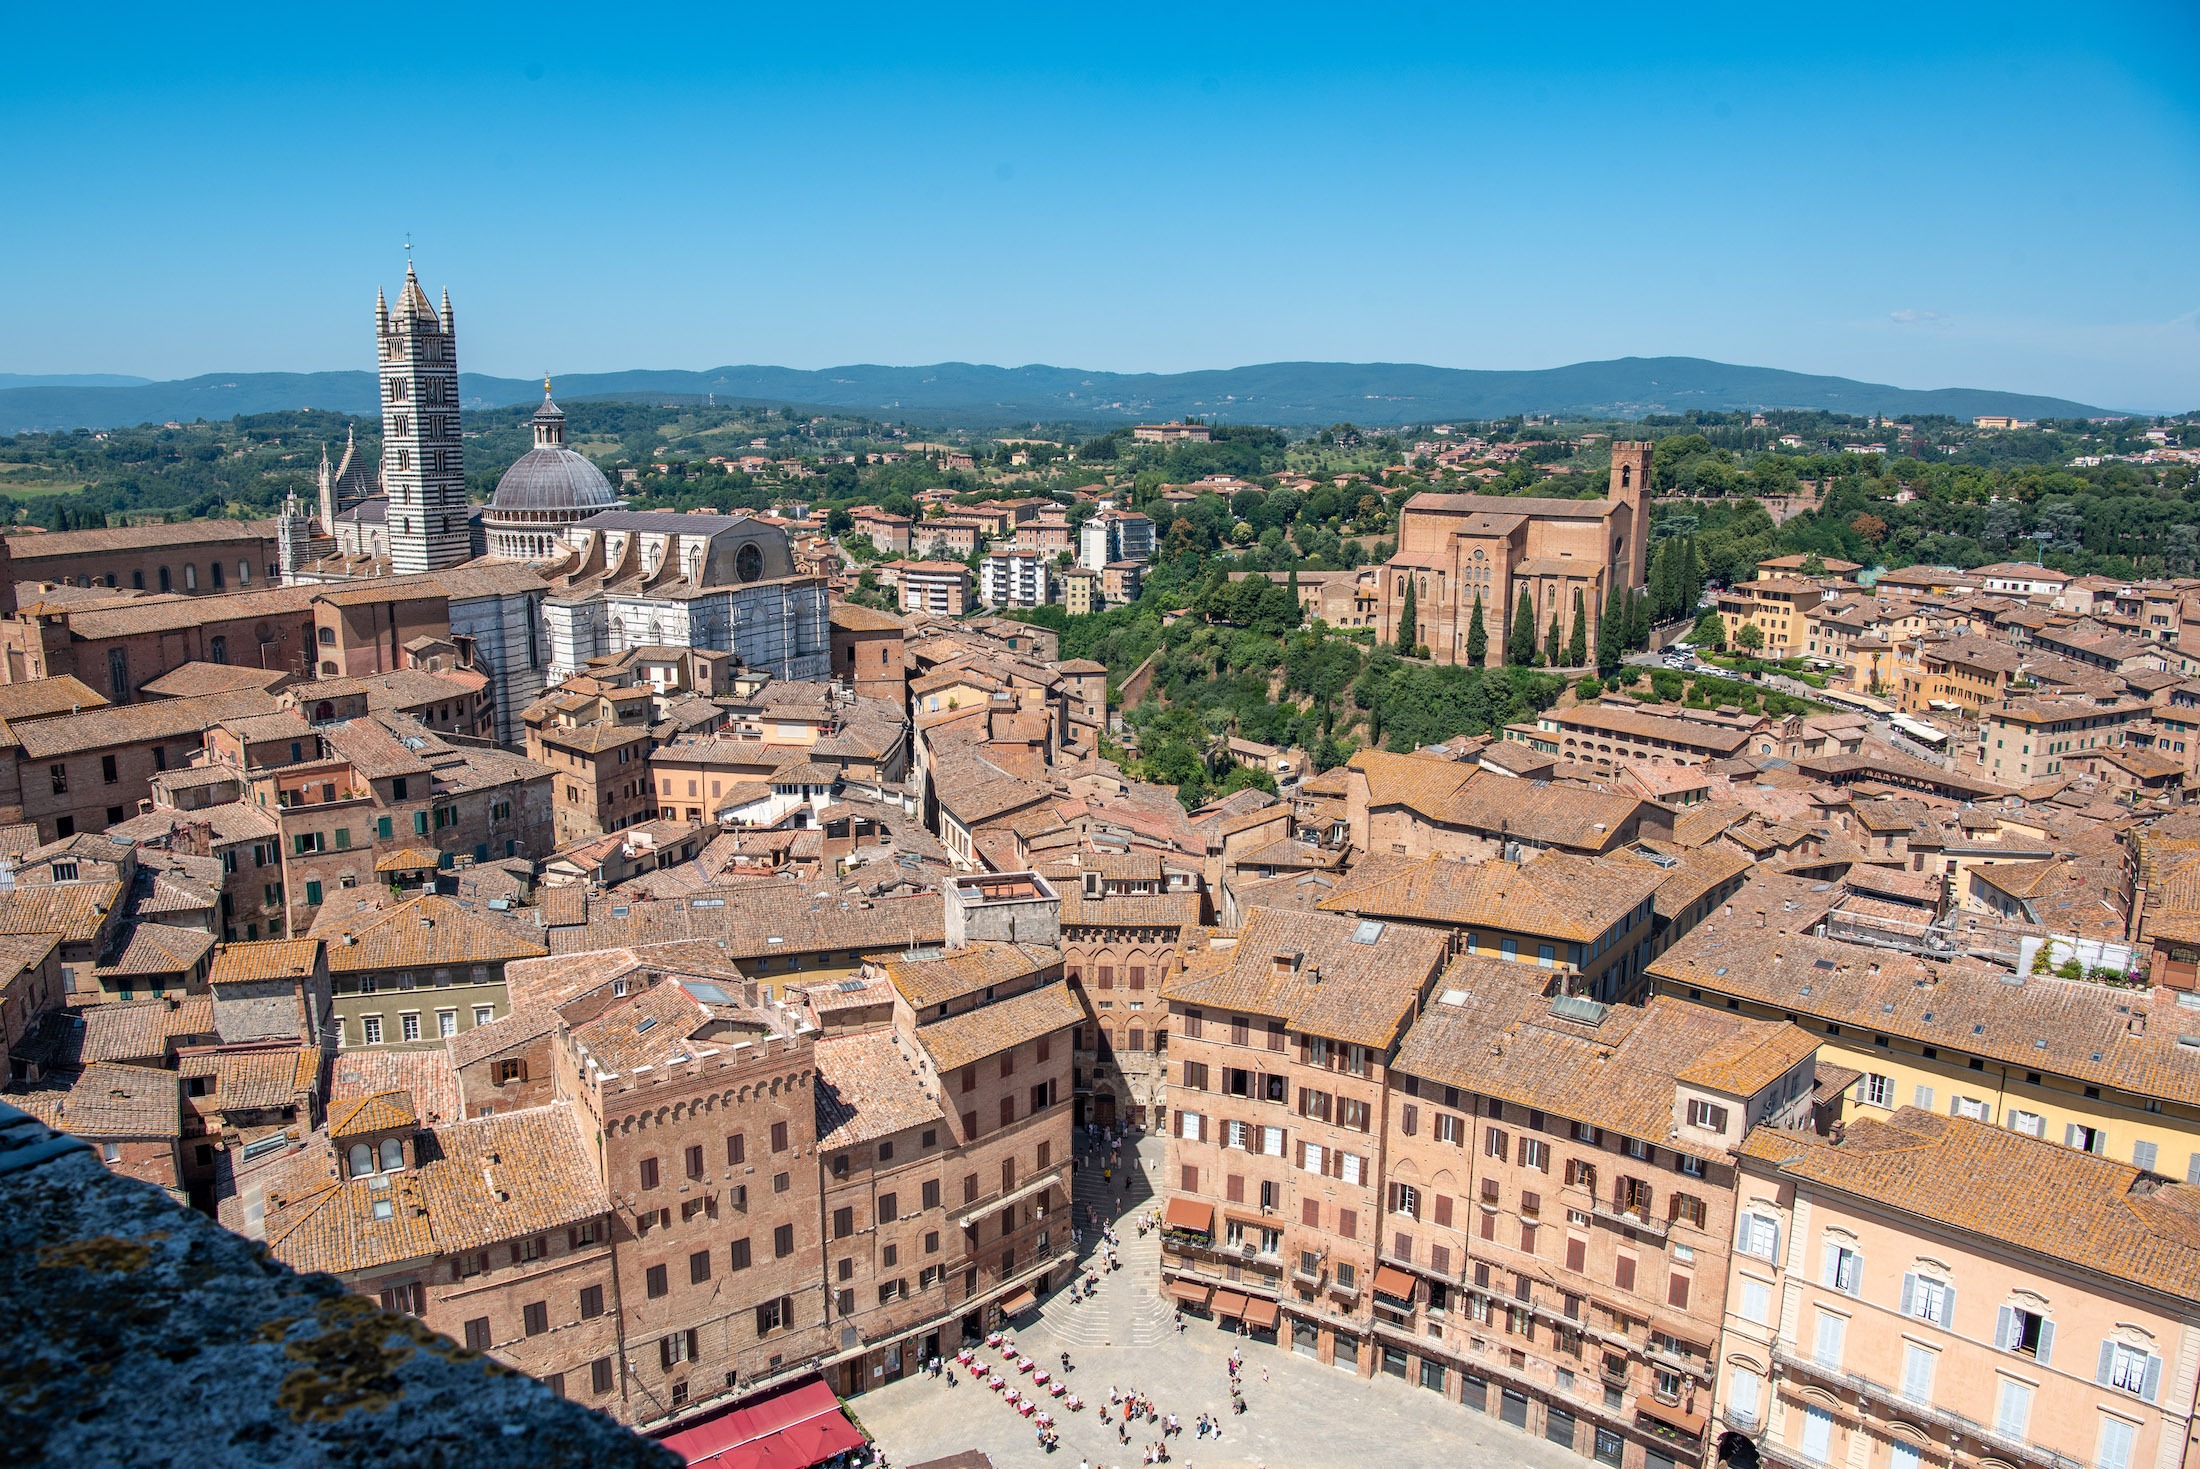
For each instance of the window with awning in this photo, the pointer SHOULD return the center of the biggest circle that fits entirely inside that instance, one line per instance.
(1395, 1283)
(1191, 1293)
(1189, 1215)
(1229, 1305)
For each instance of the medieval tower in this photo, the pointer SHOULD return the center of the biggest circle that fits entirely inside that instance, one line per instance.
(1631, 462)
(422, 468)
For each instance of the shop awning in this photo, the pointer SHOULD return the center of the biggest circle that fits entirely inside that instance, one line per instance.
(1189, 1214)
(1229, 1305)
(790, 1430)
(1018, 1301)
(1191, 1293)
(1393, 1282)
(1261, 1315)
(1689, 1423)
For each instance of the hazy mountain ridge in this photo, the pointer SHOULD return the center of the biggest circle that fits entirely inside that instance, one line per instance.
(1289, 393)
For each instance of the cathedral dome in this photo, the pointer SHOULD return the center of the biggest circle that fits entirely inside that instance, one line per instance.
(552, 478)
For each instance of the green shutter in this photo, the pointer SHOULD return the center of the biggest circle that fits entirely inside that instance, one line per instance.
(313, 893)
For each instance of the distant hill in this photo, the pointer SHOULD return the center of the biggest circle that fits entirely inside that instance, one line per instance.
(961, 393)
(70, 380)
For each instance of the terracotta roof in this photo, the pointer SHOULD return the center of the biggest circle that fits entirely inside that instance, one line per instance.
(142, 1030)
(1347, 979)
(1492, 1029)
(39, 698)
(495, 1179)
(409, 859)
(108, 1100)
(75, 910)
(425, 1075)
(127, 724)
(856, 618)
(991, 1029)
(759, 918)
(1564, 896)
(868, 1088)
(381, 1112)
(2067, 1206)
(268, 959)
(155, 948)
(2069, 1028)
(252, 1081)
(943, 979)
(190, 680)
(423, 932)
(651, 1028)
(522, 1024)
(1696, 734)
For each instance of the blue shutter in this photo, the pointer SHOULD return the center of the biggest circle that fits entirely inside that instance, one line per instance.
(2047, 1342)
(2153, 1378)
(1948, 1309)
(2005, 1321)
(2100, 1370)
(1909, 1298)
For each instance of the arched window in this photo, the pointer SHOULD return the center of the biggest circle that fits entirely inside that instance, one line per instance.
(244, 573)
(324, 710)
(328, 668)
(327, 635)
(214, 574)
(393, 1155)
(217, 649)
(164, 582)
(362, 1160)
(190, 578)
(1626, 476)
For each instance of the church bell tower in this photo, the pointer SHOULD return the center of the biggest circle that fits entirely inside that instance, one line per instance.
(422, 465)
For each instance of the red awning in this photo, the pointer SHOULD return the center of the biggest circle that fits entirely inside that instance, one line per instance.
(789, 1430)
(1691, 1424)
(1393, 1282)
(1190, 1214)
(1229, 1305)
(1259, 1314)
(1191, 1293)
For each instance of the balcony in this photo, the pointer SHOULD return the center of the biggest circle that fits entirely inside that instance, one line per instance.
(1613, 1214)
(1873, 1396)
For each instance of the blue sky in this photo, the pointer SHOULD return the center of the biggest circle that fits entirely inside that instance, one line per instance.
(1929, 195)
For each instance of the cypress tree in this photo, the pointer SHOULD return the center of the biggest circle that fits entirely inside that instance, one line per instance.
(1691, 578)
(1553, 649)
(1478, 640)
(1638, 622)
(1520, 648)
(1408, 614)
(1577, 646)
(1610, 633)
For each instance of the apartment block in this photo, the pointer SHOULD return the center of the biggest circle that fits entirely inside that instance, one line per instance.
(1927, 1289)
(1013, 578)
(2024, 740)
(1281, 1045)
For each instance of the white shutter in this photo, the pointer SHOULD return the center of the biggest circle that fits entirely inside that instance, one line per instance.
(2116, 1442)
(2108, 1360)
(2047, 1342)
(1832, 1274)
(1917, 1373)
(1833, 1334)
(1909, 1292)
(2013, 1412)
(2005, 1321)
(1924, 1098)
(1817, 1433)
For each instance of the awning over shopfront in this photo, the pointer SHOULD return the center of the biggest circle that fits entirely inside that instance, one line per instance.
(1191, 1293)
(1691, 1424)
(1017, 1301)
(1229, 1305)
(1394, 1283)
(1261, 1315)
(1189, 1214)
(794, 1429)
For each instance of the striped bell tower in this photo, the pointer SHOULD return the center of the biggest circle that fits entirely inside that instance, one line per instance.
(423, 471)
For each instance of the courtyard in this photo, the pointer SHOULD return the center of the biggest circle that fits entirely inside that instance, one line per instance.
(1299, 1413)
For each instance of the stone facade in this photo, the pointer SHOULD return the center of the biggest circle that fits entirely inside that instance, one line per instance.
(423, 465)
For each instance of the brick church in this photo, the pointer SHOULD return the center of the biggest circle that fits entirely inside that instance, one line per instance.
(1506, 548)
